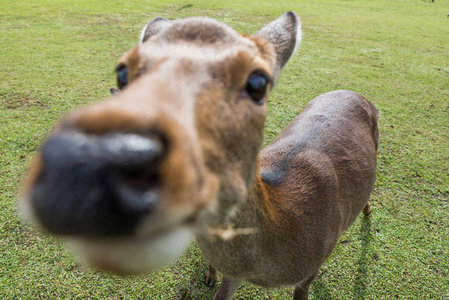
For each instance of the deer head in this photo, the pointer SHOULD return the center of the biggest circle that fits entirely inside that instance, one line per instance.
(130, 180)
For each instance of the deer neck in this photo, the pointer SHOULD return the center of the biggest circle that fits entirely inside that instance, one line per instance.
(259, 211)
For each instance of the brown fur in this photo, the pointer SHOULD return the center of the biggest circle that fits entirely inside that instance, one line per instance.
(188, 86)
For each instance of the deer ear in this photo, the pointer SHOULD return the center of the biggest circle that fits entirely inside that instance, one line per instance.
(285, 34)
(153, 28)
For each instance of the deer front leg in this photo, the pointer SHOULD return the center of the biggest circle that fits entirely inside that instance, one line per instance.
(302, 290)
(227, 288)
(211, 276)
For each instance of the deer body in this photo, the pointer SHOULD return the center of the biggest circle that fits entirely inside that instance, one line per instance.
(175, 153)
(313, 181)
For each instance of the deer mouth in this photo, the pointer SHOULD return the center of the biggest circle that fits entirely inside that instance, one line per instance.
(132, 255)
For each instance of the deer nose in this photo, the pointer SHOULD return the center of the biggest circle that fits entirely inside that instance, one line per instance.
(97, 185)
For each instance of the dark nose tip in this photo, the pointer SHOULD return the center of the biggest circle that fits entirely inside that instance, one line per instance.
(97, 185)
(121, 150)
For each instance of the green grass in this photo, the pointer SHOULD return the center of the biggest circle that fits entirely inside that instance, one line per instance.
(58, 55)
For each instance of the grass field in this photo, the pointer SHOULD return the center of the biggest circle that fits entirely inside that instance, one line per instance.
(58, 55)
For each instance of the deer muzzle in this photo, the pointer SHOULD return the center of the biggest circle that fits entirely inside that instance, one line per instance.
(126, 180)
(97, 185)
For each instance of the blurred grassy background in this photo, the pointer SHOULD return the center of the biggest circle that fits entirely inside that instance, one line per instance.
(58, 55)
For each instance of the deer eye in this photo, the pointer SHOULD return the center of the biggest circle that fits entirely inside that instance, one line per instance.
(256, 87)
(122, 76)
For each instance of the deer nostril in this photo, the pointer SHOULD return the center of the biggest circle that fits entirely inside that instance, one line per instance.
(138, 188)
(137, 160)
(140, 180)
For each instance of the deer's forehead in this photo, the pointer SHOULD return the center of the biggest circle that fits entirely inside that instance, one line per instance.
(149, 53)
(198, 31)
(197, 39)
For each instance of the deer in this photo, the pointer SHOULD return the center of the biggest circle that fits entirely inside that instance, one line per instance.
(176, 153)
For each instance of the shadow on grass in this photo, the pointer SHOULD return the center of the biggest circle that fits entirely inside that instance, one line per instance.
(363, 262)
(320, 290)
